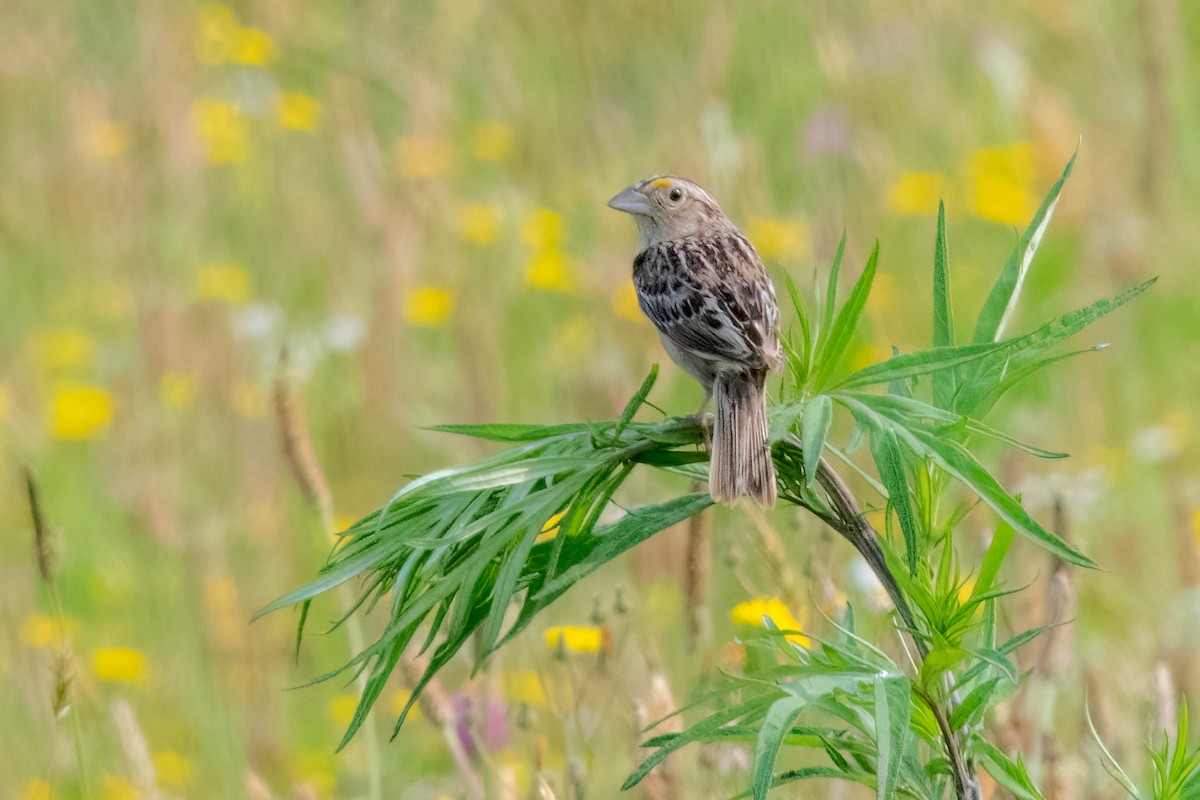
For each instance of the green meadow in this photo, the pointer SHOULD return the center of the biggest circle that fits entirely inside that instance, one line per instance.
(251, 253)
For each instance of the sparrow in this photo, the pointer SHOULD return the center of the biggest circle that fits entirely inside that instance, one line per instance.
(702, 284)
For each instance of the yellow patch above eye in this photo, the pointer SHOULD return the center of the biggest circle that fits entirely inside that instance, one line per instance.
(661, 183)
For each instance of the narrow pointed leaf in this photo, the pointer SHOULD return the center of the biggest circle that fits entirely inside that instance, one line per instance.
(1027, 348)
(944, 381)
(845, 323)
(889, 461)
(830, 307)
(775, 725)
(818, 416)
(921, 362)
(893, 708)
(1002, 300)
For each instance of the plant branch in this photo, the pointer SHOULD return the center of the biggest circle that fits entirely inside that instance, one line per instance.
(966, 786)
(851, 523)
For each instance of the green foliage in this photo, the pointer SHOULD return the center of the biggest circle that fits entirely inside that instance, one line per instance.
(454, 550)
(1175, 766)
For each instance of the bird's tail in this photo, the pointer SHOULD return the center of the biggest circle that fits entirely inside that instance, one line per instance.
(741, 464)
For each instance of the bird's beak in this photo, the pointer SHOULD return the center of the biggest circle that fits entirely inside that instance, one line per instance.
(631, 201)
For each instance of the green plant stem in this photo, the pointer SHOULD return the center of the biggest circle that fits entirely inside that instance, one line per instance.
(76, 731)
(851, 523)
(966, 785)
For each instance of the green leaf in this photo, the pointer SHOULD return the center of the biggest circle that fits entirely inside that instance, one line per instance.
(921, 362)
(804, 773)
(701, 731)
(1012, 776)
(975, 701)
(1002, 300)
(909, 412)
(508, 432)
(831, 295)
(944, 381)
(636, 401)
(1027, 348)
(780, 716)
(994, 557)
(893, 708)
(801, 361)
(586, 554)
(833, 350)
(940, 660)
(960, 463)
(818, 416)
(889, 461)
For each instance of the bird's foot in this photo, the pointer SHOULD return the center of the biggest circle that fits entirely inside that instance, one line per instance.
(705, 420)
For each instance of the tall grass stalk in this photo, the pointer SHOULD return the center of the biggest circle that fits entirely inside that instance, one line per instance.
(61, 702)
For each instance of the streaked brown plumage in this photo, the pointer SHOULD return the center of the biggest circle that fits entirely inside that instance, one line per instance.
(704, 287)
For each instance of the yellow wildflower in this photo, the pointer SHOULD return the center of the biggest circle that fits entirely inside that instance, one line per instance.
(119, 664)
(399, 699)
(421, 156)
(1001, 179)
(218, 28)
(80, 411)
(222, 128)
(173, 771)
(298, 111)
(42, 630)
(251, 47)
(342, 708)
(491, 140)
(316, 768)
(249, 401)
(965, 590)
(223, 283)
(525, 687)
(777, 239)
(103, 140)
(751, 613)
(550, 529)
(550, 270)
(625, 303)
(1196, 527)
(65, 348)
(917, 193)
(115, 788)
(428, 306)
(38, 789)
(176, 390)
(543, 229)
(576, 638)
(478, 222)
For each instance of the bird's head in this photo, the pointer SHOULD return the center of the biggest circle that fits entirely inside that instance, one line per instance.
(667, 208)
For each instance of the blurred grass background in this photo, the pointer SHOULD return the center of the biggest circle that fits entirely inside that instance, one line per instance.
(411, 198)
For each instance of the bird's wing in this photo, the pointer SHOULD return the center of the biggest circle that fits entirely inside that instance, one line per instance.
(711, 298)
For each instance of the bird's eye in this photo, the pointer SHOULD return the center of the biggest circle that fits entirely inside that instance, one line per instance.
(676, 194)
